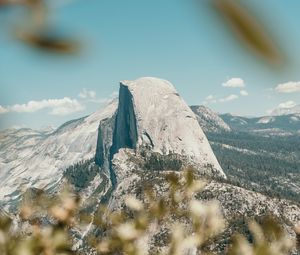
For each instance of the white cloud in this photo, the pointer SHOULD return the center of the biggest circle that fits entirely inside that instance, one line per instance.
(210, 97)
(62, 106)
(105, 100)
(90, 96)
(234, 83)
(114, 94)
(87, 94)
(228, 98)
(244, 93)
(288, 87)
(18, 126)
(31, 106)
(286, 105)
(68, 108)
(284, 108)
(3, 109)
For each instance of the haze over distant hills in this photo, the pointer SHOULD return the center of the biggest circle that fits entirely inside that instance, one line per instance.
(260, 153)
(285, 124)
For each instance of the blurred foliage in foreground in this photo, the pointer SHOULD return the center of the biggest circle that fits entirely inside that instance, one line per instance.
(35, 31)
(242, 22)
(49, 223)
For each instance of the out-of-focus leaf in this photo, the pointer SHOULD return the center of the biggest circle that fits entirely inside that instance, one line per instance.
(49, 42)
(35, 31)
(297, 231)
(249, 30)
(13, 2)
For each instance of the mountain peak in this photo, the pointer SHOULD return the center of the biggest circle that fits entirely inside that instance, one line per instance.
(152, 115)
(147, 82)
(209, 120)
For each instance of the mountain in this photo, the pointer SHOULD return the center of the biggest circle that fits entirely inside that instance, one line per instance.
(279, 125)
(260, 153)
(267, 125)
(149, 133)
(152, 116)
(30, 158)
(209, 120)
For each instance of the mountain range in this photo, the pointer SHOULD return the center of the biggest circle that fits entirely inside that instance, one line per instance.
(146, 133)
(286, 124)
(259, 153)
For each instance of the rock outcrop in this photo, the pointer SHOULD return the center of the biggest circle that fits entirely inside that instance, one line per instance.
(152, 117)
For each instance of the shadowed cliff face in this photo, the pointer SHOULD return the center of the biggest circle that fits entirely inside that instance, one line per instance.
(125, 130)
(104, 142)
(117, 132)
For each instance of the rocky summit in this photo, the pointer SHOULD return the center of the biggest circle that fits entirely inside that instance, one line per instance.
(152, 117)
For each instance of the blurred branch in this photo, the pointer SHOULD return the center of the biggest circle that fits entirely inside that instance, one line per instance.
(249, 30)
(49, 42)
(36, 33)
(242, 22)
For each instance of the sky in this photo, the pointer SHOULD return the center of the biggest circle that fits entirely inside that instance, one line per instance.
(183, 41)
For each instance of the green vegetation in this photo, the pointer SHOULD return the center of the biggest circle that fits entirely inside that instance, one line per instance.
(269, 165)
(156, 161)
(81, 174)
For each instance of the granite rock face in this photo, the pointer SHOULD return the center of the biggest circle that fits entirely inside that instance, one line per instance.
(152, 116)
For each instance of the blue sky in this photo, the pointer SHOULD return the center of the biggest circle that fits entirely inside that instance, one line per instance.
(179, 40)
